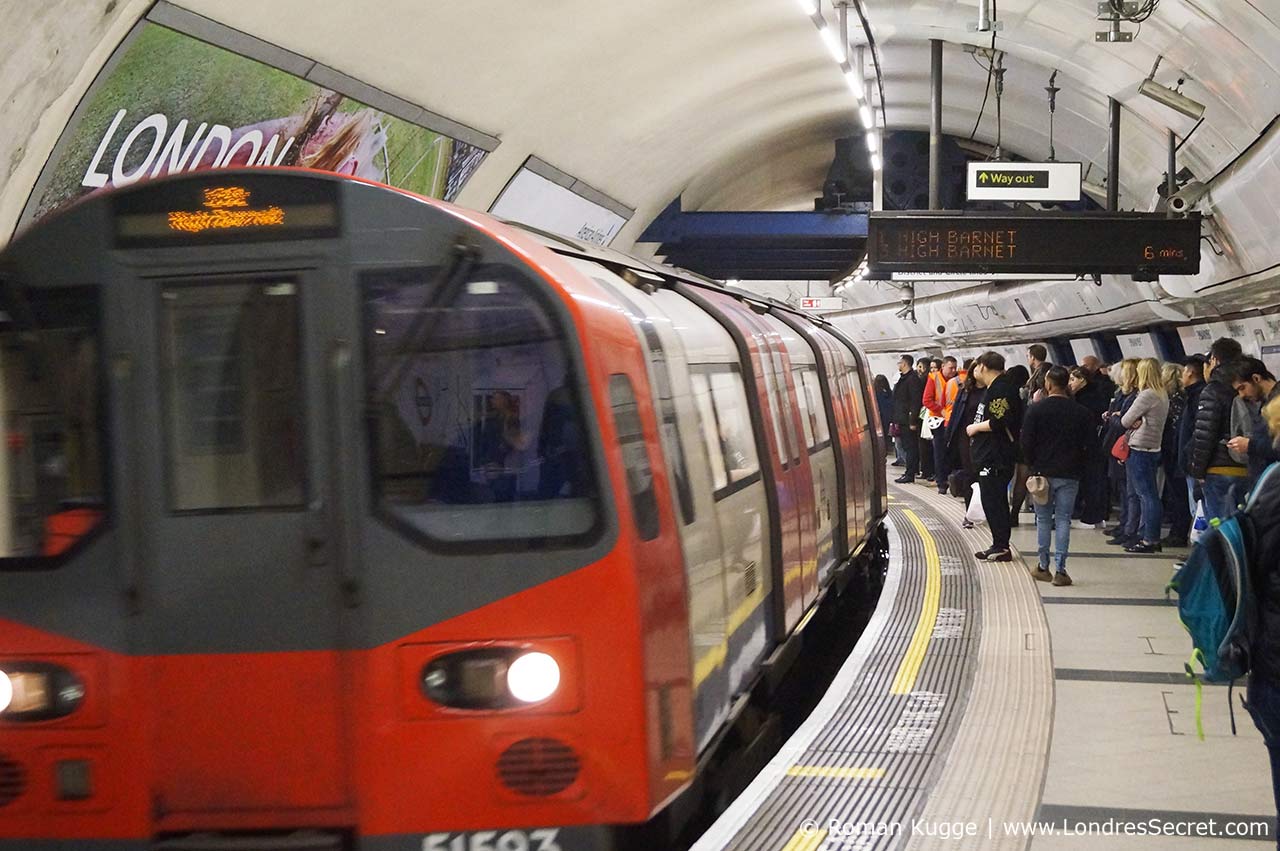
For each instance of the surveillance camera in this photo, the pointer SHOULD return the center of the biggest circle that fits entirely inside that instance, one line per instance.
(1188, 196)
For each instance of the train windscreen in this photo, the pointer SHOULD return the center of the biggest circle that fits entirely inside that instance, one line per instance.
(51, 405)
(477, 429)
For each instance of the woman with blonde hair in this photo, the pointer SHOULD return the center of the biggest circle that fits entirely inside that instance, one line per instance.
(1145, 420)
(1126, 373)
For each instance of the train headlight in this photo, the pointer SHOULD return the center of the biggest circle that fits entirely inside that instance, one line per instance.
(533, 677)
(37, 691)
(490, 678)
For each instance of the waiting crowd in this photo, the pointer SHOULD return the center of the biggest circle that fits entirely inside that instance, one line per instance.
(1139, 442)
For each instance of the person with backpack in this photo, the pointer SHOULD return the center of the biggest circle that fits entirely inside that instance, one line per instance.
(1229, 601)
(1263, 695)
(1220, 475)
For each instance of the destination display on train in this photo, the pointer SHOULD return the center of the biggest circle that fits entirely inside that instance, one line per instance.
(235, 208)
(1141, 244)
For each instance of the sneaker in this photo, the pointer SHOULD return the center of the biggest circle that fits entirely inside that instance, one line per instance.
(898, 464)
(1120, 542)
(904, 480)
(1061, 579)
(1112, 531)
(981, 555)
(1142, 547)
(968, 524)
(1042, 574)
(1080, 524)
(1000, 555)
(942, 491)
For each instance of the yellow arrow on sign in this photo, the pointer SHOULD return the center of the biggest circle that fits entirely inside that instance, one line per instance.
(982, 177)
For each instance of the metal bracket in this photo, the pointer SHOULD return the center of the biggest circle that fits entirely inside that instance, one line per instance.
(997, 26)
(1107, 12)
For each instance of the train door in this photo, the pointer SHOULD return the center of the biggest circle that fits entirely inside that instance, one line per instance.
(240, 588)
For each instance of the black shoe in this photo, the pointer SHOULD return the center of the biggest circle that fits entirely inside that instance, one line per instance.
(928, 478)
(904, 480)
(981, 555)
(898, 464)
(1142, 547)
(1112, 531)
(1000, 555)
(942, 491)
(1120, 542)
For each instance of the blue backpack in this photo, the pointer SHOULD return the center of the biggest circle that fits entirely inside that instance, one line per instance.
(1216, 602)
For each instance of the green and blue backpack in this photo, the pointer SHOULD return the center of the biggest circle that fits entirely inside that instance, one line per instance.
(1216, 602)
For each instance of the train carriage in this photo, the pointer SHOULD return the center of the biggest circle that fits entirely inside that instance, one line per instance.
(343, 518)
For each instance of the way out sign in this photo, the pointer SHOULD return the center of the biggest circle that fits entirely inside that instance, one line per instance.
(1024, 181)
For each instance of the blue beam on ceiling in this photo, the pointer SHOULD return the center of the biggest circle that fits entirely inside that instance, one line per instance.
(673, 225)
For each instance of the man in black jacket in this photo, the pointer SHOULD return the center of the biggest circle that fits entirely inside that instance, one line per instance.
(907, 395)
(1255, 384)
(1211, 464)
(1057, 437)
(993, 447)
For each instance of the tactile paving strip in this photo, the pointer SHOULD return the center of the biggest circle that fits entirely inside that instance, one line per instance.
(865, 771)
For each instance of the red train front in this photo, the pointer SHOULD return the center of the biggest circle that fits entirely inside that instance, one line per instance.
(341, 518)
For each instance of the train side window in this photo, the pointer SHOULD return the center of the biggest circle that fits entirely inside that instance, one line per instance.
(54, 412)
(806, 406)
(701, 383)
(775, 411)
(817, 410)
(856, 397)
(232, 387)
(733, 418)
(635, 456)
(784, 407)
(477, 431)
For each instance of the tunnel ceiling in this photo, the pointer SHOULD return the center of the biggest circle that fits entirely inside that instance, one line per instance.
(736, 105)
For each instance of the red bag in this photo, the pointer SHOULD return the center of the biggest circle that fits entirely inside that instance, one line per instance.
(1120, 451)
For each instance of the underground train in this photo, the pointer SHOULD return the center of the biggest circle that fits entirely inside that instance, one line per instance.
(340, 517)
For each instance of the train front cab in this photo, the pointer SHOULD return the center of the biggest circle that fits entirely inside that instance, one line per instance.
(333, 495)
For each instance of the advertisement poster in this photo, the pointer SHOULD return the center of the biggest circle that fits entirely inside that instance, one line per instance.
(173, 103)
(534, 200)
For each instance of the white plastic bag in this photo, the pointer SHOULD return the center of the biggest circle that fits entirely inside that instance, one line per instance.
(1200, 524)
(975, 514)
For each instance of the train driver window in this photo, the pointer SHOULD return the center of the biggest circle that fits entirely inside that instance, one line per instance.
(476, 427)
(54, 419)
(231, 377)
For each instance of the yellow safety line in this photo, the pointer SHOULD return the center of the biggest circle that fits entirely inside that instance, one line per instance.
(835, 771)
(806, 839)
(909, 669)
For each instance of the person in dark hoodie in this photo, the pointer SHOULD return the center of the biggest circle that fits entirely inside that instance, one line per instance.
(1221, 477)
(994, 448)
(1264, 675)
(1095, 397)
(907, 394)
(1192, 385)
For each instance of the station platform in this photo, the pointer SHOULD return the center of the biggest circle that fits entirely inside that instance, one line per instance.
(983, 709)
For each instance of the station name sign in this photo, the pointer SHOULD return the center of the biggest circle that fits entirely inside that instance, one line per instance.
(1139, 244)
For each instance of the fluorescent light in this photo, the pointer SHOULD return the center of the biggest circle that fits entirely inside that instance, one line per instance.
(865, 114)
(832, 41)
(876, 162)
(810, 7)
(1174, 100)
(854, 79)
(872, 142)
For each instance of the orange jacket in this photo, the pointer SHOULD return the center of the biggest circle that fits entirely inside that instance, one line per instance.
(952, 391)
(935, 393)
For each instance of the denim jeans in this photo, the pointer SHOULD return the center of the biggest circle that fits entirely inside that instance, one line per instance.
(1054, 518)
(1264, 706)
(1220, 495)
(1142, 467)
